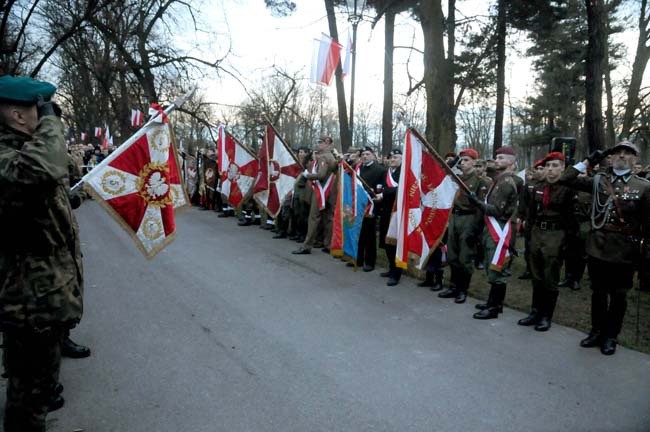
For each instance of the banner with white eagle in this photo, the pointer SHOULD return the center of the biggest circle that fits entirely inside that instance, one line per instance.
(238, 168)
(427, 188)
(141, 187)
(278, 169)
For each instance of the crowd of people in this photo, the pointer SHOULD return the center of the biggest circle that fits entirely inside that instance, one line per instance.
(593, 215)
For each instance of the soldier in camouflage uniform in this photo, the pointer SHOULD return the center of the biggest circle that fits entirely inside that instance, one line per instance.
(499, 206)
(465, 226)
(549, 217)
(40, 257)
(620, 221)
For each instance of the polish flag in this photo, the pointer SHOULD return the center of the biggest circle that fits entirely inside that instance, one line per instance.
(424, 200)
(84, 136)
(98, 131)
(325, 59)
(347, 64)
(279, 169)
(238, 168)
(137, 118)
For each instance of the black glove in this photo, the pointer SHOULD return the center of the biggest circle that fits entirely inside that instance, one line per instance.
(598, 155)
(44, 107)
(475, 201)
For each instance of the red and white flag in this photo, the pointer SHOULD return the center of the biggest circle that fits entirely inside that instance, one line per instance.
(424, 200)
(137, 118)
(84, 136)
(140, 186)
(347, 63)
(98, 131)
(325, 59)
(108, 139)
(238, 168)
(277, 174)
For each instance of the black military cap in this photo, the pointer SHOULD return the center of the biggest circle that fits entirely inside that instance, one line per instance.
(394, 152)
(369, 149)
(24, 90)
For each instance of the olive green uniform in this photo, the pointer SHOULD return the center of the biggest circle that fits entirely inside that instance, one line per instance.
(326, 165)
(41, 272)
(549, 216)
(463, 231)
(620, 222)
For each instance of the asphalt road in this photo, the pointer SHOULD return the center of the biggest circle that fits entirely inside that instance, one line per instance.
(227, 331)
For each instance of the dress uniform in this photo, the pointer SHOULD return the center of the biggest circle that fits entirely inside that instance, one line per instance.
(498, 208)
(620, 222)
(322, 179)
(389, 194)
(41, 272)
(524, 205)
(374, 176)
(464, 229)
(549, 217)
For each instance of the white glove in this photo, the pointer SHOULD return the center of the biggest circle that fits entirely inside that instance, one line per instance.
(379, 197)
(305, 173)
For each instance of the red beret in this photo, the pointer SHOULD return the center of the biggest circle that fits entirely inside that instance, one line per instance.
(506, 150)
(539, 163)
(554, 156)
(469, 152)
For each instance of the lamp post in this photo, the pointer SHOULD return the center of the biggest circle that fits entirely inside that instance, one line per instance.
(355, 9)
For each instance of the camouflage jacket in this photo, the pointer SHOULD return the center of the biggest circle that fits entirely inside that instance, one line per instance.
(41, 274)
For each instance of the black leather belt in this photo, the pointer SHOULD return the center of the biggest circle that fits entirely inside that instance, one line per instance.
(550, 225)
(461, 212)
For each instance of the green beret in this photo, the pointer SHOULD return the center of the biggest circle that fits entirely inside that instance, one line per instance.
(24, 90)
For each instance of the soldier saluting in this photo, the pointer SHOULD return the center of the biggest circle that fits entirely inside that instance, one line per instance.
(620, 221)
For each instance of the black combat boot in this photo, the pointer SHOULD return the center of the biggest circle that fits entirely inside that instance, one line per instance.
(72, 350)
(428, 280)
(550, 300)
(592, 340)
(450, 292)
(534, 315)
(494, 304)
(461, 289)
(437, 284)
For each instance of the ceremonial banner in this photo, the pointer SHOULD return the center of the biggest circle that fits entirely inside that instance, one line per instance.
(140, 186)
(424, 200)
(325, 58)
(238, 168)
(352, 204)
(137, 118)
(278, 169)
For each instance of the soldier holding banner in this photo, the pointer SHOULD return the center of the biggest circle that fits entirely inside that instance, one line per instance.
(498, 207)
(374, 176)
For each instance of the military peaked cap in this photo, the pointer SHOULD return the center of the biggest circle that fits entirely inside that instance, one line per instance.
(626, 145)
(394, 152)
(24, 90)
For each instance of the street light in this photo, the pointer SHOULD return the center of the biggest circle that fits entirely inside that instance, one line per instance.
(355, 9)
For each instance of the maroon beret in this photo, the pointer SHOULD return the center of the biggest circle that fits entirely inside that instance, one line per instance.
(539, 163)
(554, 156)
(469, 152)
(506, 150)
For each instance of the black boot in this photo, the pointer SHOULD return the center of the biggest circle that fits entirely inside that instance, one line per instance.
(494, 304)
(428, 280)
(72, 350)
(450, 292)
(437, 284)
(550, 300)
(461, 290)
(534, 315)
(594, 339)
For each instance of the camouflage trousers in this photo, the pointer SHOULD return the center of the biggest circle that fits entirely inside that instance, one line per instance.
(32, 360)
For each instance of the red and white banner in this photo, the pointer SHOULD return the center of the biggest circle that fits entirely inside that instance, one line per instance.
(325, 58)
(501, 236)
(98, 131)
(84, 136)
(108, 139)
(390, 181)
(278, 169)
(140, 186)
(238, 168)
(137, 118)
(425, 197)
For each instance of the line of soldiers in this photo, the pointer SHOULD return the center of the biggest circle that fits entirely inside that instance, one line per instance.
(568, 216)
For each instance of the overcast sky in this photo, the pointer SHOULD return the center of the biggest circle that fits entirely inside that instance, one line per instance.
(259, 40)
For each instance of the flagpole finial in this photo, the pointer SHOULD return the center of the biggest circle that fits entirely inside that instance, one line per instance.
(401, 117)
(184, 98)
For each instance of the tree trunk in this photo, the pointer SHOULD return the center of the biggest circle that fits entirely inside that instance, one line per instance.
(346, 139)
(438, 130)
(638, 69)
(594, 74)
(610, 136)
(501, 76)
(387, 116)
(451, 70)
